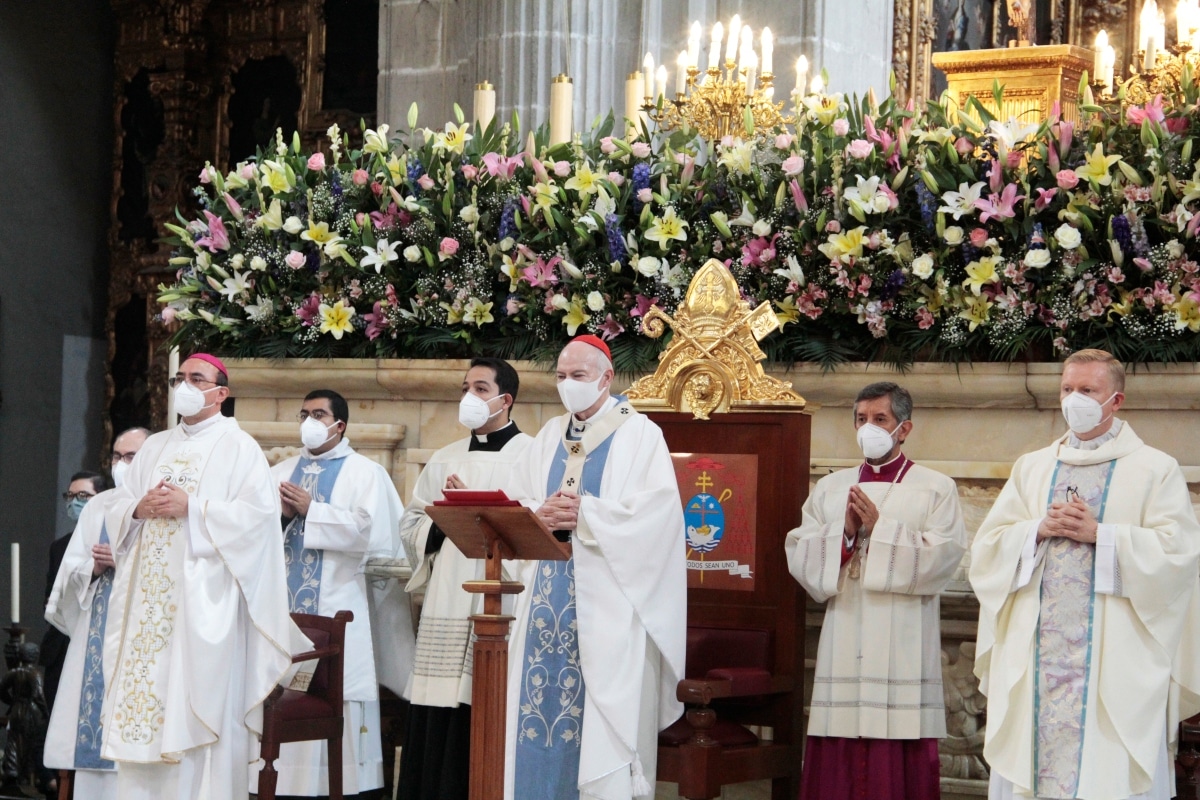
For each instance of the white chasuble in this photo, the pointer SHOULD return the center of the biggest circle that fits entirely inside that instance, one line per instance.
(80, 606)
(442, 667)
(206, 633)
(630, 600)
(879, 669)
(354, 514)
(1138, 630)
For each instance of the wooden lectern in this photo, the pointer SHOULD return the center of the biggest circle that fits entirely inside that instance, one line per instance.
(493, 532)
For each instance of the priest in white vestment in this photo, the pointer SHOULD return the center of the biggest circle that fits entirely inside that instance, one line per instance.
(877, 545)
(339, 508)
(207, 636)
(1089, 618)
(80, 605)
(597, 647)
(436, 755)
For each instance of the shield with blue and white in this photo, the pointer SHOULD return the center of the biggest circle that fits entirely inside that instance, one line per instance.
(704, 520)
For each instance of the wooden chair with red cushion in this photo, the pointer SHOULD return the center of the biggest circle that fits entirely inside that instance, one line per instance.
(294, 716)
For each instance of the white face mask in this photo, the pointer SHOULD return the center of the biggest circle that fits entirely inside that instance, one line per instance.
(118, 473)
(189, 401)
(578, 396)
(1082, 413)
(474, 412)
(313, 433)
(875, 441)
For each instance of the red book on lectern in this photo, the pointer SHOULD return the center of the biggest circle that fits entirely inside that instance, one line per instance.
(473, 497)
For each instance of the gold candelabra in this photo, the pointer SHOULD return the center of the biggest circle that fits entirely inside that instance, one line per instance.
(720, 103)
(1165, 77)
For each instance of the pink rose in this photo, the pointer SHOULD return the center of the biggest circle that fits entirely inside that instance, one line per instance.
(607, 147)
(640, 149)
(376, 188)
(979, 237)
(295, 259)
(964, 146)
(168, 315)
(841, 127)
(360, 177)
(562, 168)
(783, 141)
(859, 148)
(316, 161)
(360, 219)
(469, 171)
(425, 182)
(833, 226)
(793, 166)
(448, 246)
(1067, 179)
(617, 178)
(645, 195)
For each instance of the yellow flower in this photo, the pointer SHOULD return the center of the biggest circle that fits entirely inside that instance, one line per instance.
(976, 312)
(844, 247)
(335, 318)
(544, 195)
(787, 311)
(824, 108)
(395, 169)
(979, 273)
(376, 141)
(1187, 314)
(453, 139)
(576, 315)
(738, 158)
(1123, 306)
(454, 313)
(666, 228)
(318, 232)
(583, 181)
(277, 177)
(1097, 166)
(272, 218)
(478, 313)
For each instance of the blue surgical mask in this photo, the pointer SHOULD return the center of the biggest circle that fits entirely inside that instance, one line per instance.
(75, 508)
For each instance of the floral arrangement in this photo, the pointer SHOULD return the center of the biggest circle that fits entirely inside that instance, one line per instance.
(876, 233)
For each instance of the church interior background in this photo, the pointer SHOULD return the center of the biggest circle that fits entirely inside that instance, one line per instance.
(111, 109)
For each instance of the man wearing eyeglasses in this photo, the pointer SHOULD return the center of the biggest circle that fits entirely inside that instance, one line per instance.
(195, 534)
(79, 605)
(339, 508)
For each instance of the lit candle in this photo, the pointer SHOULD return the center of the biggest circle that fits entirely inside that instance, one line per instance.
(1181, 21)
(661, 79)
(801, 74)
(1110, 63)
(648, 72)
(485, 104)
(735, 30)
(750, 65)
(633, 102)
(747, 45)
(1147, 21)
(693, 50)
(16, 583)
(1098, 56)
(768, 49)
(1151, 54)
(681, 65)
(818, 85)
(714, 46)
(561, 106)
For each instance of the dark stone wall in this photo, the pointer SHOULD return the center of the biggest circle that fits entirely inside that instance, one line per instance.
(56, 60)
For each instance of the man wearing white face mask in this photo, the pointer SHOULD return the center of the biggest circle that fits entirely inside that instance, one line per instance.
(877, 707)
(81, 606)
(436, 756)
(339, 508)
(196, 538)
(597, 647)
(1089, 606)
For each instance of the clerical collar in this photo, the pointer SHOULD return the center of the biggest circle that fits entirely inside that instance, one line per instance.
(577, 426)
(892, 471)
(1094, 444)
(493, 442)
(193, 428)
(342, 450)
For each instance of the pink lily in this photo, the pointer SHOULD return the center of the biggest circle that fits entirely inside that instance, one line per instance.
(1002, 207)
(798, 196)
(996, 176)
(218, 237)
(610, 329)
(643, 305)
(375, 322)
(541, 273)
(499, 166)
(1152, 111)
(234, 207)
(1044, 198)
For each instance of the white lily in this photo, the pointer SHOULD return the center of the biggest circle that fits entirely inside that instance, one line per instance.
(793, 272)
(382, 254)
(963, 201)
(236, 285)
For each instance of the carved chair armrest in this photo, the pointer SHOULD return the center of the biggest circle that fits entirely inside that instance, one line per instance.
(316, 655)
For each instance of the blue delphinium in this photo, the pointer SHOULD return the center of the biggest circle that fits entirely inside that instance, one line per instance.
(928, 205)
(1123, 235)
(508, 225)
(616, 240)
(641, 180)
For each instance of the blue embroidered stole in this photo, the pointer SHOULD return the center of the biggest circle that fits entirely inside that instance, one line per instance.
(550, 711)
(317, 477)
(90, 730)
(1064, 637)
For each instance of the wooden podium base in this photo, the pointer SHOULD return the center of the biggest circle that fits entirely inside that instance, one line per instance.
(489, 708)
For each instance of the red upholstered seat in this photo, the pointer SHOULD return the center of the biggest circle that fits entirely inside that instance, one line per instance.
(294, 706)
(720, 648)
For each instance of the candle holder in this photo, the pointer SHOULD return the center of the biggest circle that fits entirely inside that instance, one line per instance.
(12, 648)
(716, 106)
(1165, 78)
